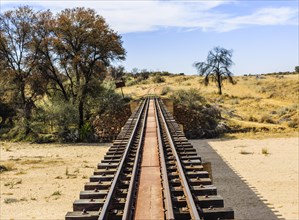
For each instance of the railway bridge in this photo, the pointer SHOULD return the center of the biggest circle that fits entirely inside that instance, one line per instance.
(150, 171)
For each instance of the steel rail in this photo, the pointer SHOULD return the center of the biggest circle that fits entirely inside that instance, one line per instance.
(189, 198)
(166, 191)
(104, 210)
(127, 214)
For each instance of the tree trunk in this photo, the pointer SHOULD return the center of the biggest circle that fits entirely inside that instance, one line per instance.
(219, 84)
(29, 104)
(81, 113)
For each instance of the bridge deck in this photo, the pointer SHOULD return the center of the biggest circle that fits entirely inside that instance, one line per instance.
(149, 195)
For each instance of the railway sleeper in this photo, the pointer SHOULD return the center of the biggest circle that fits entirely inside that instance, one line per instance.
(96, 204)
(97, 178)
(192, 167)
(111, 171)
(199, 174)
(95, 194)
(97, 185)
(184, 154)
(181, 212)
(199, 181)
(180, 149)
(209, 201)
(107, 165)
(110, 161)
(190, 158)
(113, 157)
(196, 190)
(80, 215)
(100, 194)
(115, 151)
(213, 213)
(173, 168)
(188, 162)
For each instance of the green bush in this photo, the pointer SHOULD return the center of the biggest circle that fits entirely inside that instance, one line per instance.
(189, 98)
(86, 133)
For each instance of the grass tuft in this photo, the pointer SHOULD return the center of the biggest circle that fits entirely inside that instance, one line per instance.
(56, 193)
(265, 151)
(10, 200)
(245, 152)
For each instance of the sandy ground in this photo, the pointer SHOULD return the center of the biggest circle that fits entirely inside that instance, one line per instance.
(46, 179)
(273, 177)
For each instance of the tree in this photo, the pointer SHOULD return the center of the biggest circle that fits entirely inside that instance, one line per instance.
(217, 67)
(116, 72)
(85, 46)
(17, 30)
(77, 47)
(297, 69)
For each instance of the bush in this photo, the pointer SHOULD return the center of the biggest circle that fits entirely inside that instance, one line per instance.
(199, 119)
(87, 133)
(189, 98)
(251, 118)
(267, 119)
(158, 79)
(165, 90)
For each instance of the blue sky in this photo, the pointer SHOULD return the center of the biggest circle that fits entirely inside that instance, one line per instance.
(172, 35)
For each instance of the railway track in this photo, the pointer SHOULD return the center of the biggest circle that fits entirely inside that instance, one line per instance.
(151, 171)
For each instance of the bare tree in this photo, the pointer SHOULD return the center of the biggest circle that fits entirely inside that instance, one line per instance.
(216, 68)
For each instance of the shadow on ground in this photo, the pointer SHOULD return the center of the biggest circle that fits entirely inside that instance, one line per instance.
(236, 193)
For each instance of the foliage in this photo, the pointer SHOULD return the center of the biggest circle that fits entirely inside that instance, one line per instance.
(297, 69)
(62, 55)
(17, 28)
(116, 73)
(86, 132)
(216, 68)
(165, 90)
(189, 98)
(199, 118)
(108, 100)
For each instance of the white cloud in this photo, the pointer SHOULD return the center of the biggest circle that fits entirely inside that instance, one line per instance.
(136, 16)
(261, 17)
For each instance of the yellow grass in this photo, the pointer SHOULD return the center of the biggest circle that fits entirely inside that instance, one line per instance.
(266, 103)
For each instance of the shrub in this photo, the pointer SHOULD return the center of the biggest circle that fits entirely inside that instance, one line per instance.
(200, 119)
(86, 132)
(267, 119)
(165, 90)
(189, 98)
(10, 200)
(158, 79)
(251, 118)
(294, 123)
(265, 151)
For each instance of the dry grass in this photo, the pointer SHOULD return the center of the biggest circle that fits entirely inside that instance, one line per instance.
(7, 166)
(256, 105)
